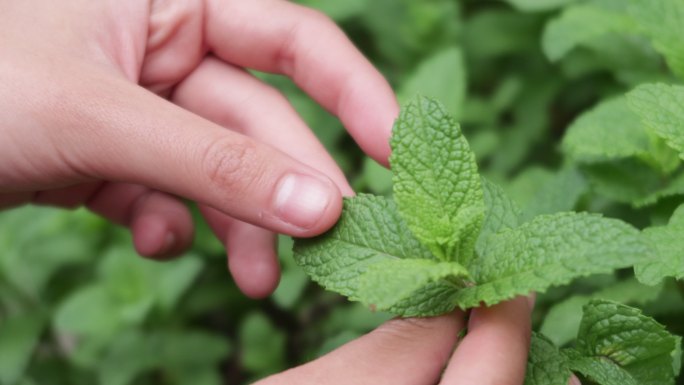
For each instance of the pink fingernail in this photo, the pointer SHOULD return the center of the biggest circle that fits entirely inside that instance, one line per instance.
(301, 200)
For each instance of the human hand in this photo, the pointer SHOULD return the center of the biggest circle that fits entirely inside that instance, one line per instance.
(81, 127)
(416, 351)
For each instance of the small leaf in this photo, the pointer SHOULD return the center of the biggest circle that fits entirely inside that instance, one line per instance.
(393, 285)
(661, 109)
(436, 184)
(668, 241)
(551, 250)
(545, 363)
(501, 213)
(369, 231)
(563, 319)
(623, 336)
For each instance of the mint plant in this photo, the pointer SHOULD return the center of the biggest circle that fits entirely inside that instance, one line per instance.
(616, 345)
(451, 238)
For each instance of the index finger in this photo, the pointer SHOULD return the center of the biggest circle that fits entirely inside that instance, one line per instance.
(304, 44)
(495, 349)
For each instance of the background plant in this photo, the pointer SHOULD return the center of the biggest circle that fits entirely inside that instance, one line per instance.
(558, 99)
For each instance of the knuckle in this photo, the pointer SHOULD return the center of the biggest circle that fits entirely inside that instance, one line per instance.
(232, 164)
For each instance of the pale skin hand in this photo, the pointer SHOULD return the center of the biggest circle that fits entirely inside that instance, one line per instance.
(127, 107)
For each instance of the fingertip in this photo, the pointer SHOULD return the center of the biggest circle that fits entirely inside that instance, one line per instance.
(151, 236)
(308, 205)
(252, 260)
(256, 276)
(574, 380)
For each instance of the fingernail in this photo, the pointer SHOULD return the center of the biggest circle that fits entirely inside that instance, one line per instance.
(301, 200)
(574, 381)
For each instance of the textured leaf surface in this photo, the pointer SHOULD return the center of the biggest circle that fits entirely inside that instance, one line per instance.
(372, 257)
(599, 370)
(545, 363)
(668, 242)
(436, 184)
(551, 250)
(396, 285)
(500, 213)
(661, 108)
(563, 319)
(625, 337)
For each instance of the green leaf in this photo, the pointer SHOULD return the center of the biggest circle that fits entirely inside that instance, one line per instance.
(582, 23)
(395, 285)
(621, 335)
(599, 370)
(663, 22)
(262, 345)
(436, 184)
(560, 192)
(441, 76)
(625, 181)
(89, 311)
(661, 109)
(501, 213)
(551, 250)
(563, 319)
(369, 231)
(668, 241)
(611, 130)
(19, 335)
(545, 363)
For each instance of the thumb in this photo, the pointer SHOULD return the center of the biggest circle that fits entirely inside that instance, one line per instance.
(135, 136)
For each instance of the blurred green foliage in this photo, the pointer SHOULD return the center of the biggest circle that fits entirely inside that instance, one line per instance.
(537, 85)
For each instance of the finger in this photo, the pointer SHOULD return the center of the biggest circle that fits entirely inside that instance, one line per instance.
(161, 225)
(132, 135)
(307, 46)
(498, 337)
(231, 97)
(402, 351)
(252, 260)
(574, 380)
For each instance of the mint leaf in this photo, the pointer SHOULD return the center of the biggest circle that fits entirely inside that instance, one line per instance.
(436, 184)
(663, 22)
(501, 213)
(661, 109)
(545, 363)
(668, 241)
(400, 286)
(369, 231)
(622, 336)
(599, 370)
(611, 130)
(560, 192)
(563, 319)
(551, 250)
(582, 23)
